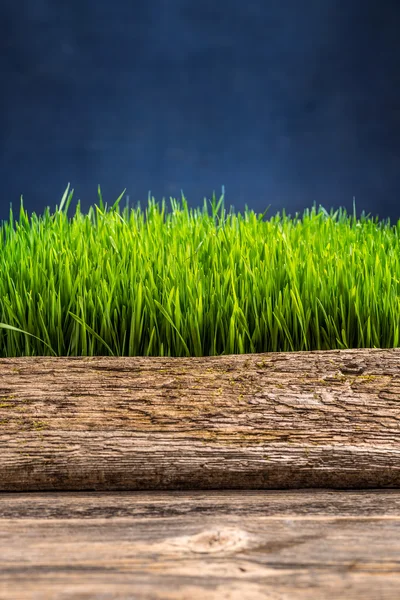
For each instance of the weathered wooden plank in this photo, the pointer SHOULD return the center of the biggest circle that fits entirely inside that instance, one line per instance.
(297, 545)
(255, 421)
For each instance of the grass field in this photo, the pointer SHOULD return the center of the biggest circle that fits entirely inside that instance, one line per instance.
(188, 283)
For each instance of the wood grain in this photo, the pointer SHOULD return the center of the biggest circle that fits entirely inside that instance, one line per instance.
(243, 545)
(328, 419)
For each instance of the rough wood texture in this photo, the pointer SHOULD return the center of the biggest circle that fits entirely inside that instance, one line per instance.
(304, 545)
(258, 421)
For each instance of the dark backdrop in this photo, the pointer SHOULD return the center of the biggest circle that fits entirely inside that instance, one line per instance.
(281, 101)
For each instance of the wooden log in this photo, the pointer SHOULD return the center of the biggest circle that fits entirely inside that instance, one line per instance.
(327, 419)
(304, 545)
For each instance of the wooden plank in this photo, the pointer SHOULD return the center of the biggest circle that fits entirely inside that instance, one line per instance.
(258, 421)
(281, 545)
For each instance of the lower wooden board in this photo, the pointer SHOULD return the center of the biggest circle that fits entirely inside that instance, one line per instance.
(214, 545)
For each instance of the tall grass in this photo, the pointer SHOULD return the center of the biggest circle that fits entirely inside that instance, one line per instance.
(188, 283)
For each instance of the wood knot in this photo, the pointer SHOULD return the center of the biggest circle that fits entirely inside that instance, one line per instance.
(352, 368)
(218, 540)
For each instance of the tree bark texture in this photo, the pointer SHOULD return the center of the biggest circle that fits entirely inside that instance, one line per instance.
(321, 419)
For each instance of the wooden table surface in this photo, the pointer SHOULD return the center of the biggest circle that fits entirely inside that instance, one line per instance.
(213, 545)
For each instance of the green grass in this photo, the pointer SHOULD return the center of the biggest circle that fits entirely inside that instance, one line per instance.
(188, 283)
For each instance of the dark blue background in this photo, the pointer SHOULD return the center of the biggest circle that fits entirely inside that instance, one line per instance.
(282, 102)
